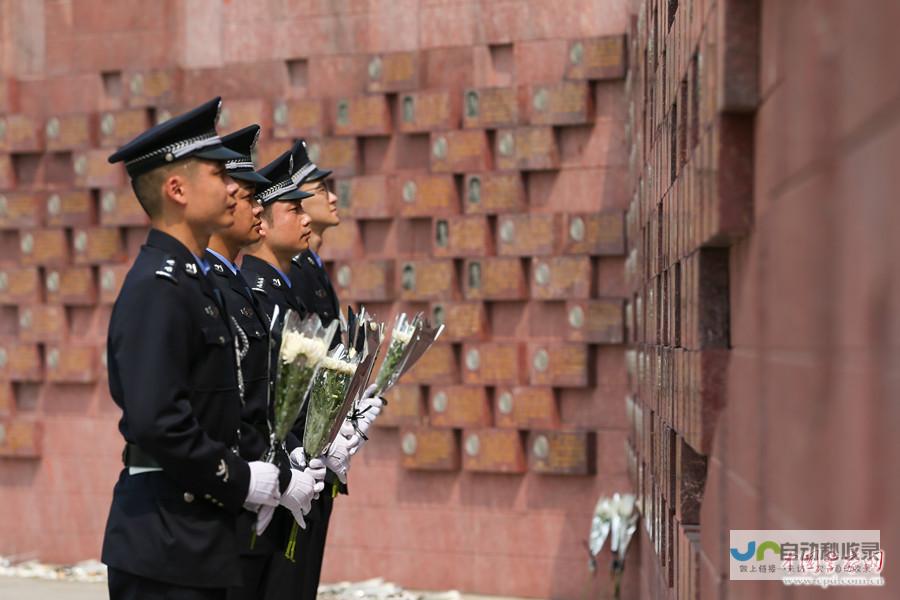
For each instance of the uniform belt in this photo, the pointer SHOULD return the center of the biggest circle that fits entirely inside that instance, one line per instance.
(133, 456)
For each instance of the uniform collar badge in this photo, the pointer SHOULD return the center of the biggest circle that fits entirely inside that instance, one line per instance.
(191, 269)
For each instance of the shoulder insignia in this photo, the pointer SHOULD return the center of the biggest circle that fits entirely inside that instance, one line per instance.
(276, 282)
(222, 471)
(246, 311)
(219, 269)
(167, 270)
(191, 268)
(211, 311)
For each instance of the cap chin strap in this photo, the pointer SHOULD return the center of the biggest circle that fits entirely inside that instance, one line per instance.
(300, 175)
(234, 165)
(276, 190)
(182, 148)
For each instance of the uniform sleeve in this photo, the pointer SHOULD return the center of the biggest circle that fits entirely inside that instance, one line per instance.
(149, 340)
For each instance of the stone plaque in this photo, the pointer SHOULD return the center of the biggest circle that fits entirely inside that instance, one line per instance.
(421, 112)
(429, 449)
(93, 170)
(299, 118)
(559, 364)
(565, 103)
(494, 279)
(561, 452)
(118, 127)
(342, 243)
(70, 132)
(426, 280)
(7, 399)
(597, 58)
(489, 108)
(597, 234)
(338, 154)
(422, 195)
(153, 87)
(364, 280)
(71, 363)
(20, 361)
(596, 321)
(7, 173)
(19, 285)
(494, 193)
(362, 115)
(367, 197)
(526, 149)
(459, 406)
(525, 407)
(43, 247)
(121, 207)
(463, 321)
(561, 278)
(71, 208)
(527, 235)
(405, 407)
(73, 286)
(464, 236)
(493, 451)
(111, 278)
(22, 438)
(21, 133)
(20, 210)
(437, 366)
(42, 323)
(492, 363)
(394, 72)
(237, 114)
(268, 150)
(460, 151)
(97, 245)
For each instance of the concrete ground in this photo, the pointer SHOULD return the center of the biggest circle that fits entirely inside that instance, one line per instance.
(17, 588)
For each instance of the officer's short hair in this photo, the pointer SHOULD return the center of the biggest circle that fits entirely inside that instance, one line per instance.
(147, 186)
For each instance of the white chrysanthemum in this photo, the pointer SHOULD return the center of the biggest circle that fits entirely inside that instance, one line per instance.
(336, 364)
(295, 344)
(403, 336)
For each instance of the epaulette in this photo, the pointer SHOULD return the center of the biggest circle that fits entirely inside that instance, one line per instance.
(260, 286)
(167, 270)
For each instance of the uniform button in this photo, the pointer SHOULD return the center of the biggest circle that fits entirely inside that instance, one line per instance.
(221, 339)
(188, 497)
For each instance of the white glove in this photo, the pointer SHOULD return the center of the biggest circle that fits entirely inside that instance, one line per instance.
(361, 429)
(264, 518)
(263, 490)
(338, 456)
(300, 492)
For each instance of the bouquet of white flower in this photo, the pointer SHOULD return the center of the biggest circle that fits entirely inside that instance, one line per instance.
(326, 398)
(409, 341)
(304, 345)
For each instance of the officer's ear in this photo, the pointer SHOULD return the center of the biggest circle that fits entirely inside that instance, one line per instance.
(176, 181)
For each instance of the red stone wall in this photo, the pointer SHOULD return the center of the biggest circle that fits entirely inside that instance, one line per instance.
(764, 282)
(485, 471)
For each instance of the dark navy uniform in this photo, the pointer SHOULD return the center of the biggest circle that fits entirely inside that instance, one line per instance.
(172, 370)
(314, 287)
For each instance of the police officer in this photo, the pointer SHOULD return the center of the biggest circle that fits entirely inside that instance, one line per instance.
(309, 277)
(250, 324)
(171, 525)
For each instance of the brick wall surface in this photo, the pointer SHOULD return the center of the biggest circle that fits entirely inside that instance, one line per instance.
(762, 281)
(480, 160)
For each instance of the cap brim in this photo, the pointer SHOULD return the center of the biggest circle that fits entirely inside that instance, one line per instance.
(249, 177)
(295, 195)
(316, 175)
(216, 153)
